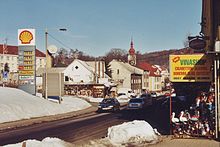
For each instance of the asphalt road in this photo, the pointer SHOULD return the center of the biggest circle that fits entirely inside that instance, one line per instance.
(93, 126)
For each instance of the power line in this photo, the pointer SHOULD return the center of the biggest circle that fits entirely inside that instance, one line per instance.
(59, 41)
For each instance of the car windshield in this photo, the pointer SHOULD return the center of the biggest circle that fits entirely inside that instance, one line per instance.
(135, 100)
(107, 100)
(121, 94)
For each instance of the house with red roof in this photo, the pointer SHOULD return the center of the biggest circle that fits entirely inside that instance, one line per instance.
(153, 79)
(9, 54)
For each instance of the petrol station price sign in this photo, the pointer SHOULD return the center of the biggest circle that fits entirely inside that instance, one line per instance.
(190, 68)
(26, 60)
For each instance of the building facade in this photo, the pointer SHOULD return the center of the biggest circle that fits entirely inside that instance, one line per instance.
(152, 79)
(86, 72)
(126, 76)
(9, 54)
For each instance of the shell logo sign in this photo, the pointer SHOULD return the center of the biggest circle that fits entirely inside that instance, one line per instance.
(26, 37)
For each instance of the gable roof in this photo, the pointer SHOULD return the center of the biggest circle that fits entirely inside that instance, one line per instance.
(149, 67)
(88, 67)
(130, 68)
(13, 50)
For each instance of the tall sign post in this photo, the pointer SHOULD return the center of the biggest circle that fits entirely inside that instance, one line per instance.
(217, 85)
(27, 60)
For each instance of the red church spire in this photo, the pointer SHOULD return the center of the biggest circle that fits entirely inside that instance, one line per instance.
(132, 50)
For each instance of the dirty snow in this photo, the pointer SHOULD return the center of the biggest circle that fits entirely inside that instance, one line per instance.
(136, 131)
(16, 104)
(47, 142)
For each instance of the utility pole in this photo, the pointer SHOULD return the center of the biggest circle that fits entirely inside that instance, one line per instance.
(3, 53)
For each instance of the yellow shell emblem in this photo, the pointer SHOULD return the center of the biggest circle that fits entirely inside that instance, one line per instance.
(25, 37)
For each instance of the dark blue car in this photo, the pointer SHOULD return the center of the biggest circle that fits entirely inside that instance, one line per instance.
(109, 104)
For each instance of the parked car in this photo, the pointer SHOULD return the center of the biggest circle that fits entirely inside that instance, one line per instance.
(125, 91)
(109, 104)
(179, 103)
(147, 99)
(140, 102)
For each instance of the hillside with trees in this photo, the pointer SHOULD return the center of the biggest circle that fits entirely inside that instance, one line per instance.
(65, 57)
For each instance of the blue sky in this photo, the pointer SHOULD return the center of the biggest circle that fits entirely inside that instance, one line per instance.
(96, 26)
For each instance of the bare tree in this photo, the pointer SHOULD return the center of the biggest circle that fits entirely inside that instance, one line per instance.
(186, 41)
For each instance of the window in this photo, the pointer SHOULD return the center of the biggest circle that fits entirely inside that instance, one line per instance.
(117, 71)
(66, 78)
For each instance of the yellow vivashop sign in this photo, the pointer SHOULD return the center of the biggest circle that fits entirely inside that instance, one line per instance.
(190, 68)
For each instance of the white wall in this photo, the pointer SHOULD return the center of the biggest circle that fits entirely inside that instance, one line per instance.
(124, 74)
(78, 74)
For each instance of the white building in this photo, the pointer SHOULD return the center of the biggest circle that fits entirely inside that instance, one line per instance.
(86, 72)
(126, 75)
(153, 82)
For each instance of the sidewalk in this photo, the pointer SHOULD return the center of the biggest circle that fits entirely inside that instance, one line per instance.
(27, 122)
(168, 141)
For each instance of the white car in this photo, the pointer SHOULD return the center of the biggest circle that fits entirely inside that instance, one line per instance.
(125, 91)
(153, 94)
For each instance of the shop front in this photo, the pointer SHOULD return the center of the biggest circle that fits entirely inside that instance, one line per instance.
(191, 77)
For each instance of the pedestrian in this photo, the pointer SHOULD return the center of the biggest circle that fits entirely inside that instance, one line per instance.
(203, 108)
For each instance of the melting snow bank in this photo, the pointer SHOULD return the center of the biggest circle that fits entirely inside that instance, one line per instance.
(16, 104)
(47, 142)
(135, 133)
(132, 132)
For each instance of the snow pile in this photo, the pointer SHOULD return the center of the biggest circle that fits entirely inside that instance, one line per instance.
(132, 132)
(47, 142)
(94, 100)
(16, 104)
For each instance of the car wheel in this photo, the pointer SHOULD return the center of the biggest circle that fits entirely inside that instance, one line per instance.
(118, 108)
(114, 109)
(99, 110)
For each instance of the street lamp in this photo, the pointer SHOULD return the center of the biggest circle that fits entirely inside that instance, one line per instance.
(47, 55)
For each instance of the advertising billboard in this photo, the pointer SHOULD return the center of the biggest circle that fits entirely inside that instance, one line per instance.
(190, 68)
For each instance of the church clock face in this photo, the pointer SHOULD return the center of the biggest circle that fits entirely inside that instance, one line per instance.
(132, 62)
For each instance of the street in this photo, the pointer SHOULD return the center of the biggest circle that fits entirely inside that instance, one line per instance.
(94, 126)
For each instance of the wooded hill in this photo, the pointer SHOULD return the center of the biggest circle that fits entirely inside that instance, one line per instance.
(162, 57)
(64, 58)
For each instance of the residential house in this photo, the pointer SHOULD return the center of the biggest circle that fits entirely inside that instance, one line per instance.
(9, 54)
(86, 78)
(85, 72)
(126, 75)
(164, 76)
(153, 80)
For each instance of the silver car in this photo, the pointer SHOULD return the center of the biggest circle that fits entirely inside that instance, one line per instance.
(136, 103)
